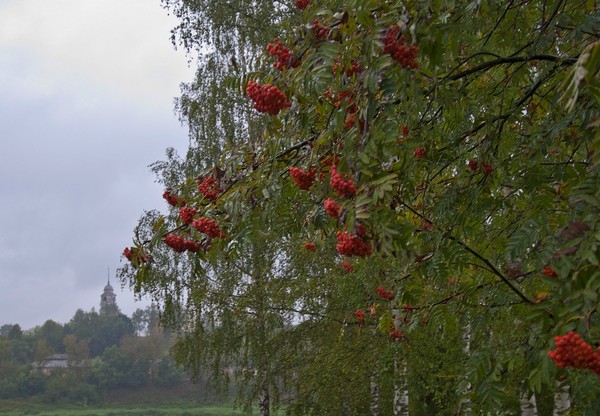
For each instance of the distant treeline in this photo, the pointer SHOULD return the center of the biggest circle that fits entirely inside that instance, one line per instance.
(81, 360)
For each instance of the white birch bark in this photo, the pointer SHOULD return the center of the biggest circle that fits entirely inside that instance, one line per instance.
(465, 404)
(528, 405)
(375, 396)
(562, 399)
(400, 388)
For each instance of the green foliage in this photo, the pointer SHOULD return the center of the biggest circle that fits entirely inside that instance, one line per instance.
(477, 188)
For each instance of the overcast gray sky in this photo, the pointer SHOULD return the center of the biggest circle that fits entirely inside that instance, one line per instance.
(86, 104)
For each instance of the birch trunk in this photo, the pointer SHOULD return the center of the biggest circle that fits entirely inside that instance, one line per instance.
(400, 389)
(465, 405)
(375, 395)
(264, 404)
(562, 399)
(528, 405)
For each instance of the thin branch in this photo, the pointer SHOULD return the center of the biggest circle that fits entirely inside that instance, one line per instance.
(511, 60)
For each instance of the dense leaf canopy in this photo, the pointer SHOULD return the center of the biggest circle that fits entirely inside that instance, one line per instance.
(430, 175)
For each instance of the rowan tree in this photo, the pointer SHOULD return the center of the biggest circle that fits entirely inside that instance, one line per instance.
(419, 161)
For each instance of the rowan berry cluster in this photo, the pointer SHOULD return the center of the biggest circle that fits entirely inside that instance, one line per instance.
(395, 334)
(285, 59)
(354, 68)
(187, 214)
(209, 187)
(549, 272)
(420, 152)
(474, 166)
(400, 51)
(347, 266)
(302, 4)
(173, 200)
(352, 245)
(267, 98)
(332, 208)
(207, 226)
(320, 31)
(404, 130)
(341, 184)
(136, 255)
(304, 180)
(179, 244)
(572, 351)
(360, 316)
(383, 293)
(310, 246)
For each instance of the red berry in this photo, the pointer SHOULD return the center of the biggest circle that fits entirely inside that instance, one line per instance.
(398, 48)
(549, 271)
(342, 184)
(127, 253)
(396, 334)
(209, 187)
(187, 214)
(332, 208)
(207, 226)
(360, 316)
(285, 59)
(383, 293)
(176, 242)
(420, 152)
(304, 180)
(487, 167)
(347, 266)
(320, 31)
(352, 245)
(267, 98)
(301, 4)
(173, 200)
(310, 246)
(572, 351)
(473, 165)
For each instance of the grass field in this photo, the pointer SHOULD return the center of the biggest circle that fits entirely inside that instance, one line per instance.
(34, 409)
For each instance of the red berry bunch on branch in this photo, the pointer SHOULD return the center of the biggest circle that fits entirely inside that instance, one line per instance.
(383, 293)
(354, 68)
(360, 316)
(420, 152)
(285, 59)
(173, 200)
(400, 51)
(342, 184)
(395, 334)
(310, 246)
(549, 272)
(332, 208)
(304, 180)
(352, 245)
(209, 187)
(179, 244)
(302, 4)
(136, 256)
(347, 266)
(267, 98)
(208, 226)
(320, 31)
(187, 214)
(572, 351)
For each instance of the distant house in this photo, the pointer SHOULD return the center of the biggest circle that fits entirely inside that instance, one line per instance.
(51, 363)
(58, 361)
